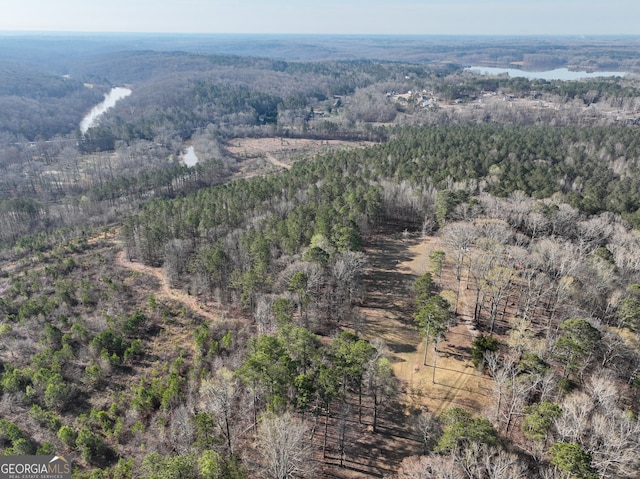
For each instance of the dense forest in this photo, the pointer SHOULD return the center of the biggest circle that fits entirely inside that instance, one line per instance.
(261, 314)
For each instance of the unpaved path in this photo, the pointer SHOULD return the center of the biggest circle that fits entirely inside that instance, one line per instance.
(395, 263)
(166, 291)
(277, 162)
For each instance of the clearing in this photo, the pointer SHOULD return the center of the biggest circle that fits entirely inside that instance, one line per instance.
(395, 263)
(280, 152)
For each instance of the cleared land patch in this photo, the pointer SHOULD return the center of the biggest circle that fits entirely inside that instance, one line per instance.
(395, 263)
(279, 152)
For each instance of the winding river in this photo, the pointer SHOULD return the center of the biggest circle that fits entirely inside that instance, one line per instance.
(110, 99)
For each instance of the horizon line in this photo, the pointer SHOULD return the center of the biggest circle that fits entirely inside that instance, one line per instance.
(317, 34)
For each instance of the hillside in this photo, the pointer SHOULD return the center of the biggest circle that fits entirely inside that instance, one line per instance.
(375, 269)
(100, 323)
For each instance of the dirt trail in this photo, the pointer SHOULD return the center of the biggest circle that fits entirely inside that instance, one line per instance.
(277, 162)
(166, 291)
(395, 263)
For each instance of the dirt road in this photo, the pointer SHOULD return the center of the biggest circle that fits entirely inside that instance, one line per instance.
(166, 291)
(277, 162)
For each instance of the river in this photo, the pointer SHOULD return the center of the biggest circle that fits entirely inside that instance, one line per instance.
(557, 74)
(110, 99)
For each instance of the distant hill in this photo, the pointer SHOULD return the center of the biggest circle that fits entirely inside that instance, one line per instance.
(61, 51)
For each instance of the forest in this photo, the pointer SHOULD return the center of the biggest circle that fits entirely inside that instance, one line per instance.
(395, 269)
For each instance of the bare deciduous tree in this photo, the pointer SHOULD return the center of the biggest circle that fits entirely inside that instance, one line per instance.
(459, 237)
(428, 426)
(511, 388)
(217, 396)
(496, 230)
(496, 282)
(429, 467)
(574, 421)
(613, 443)
(284, 447)
(522, 337)
(347, 271)
(181, 429)
(480, 461)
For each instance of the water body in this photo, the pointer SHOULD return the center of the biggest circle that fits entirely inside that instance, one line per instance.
(190, 158)
(110, 100)
(557, 74)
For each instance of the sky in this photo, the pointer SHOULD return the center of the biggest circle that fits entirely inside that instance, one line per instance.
(429, 17)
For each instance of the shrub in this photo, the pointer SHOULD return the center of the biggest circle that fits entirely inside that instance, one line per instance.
(93, 375)
(123, 469)
(56, 395)
(46, 449)
(14, 380)
(14, 439)
(156, 465)
(134, 349)
(460, 429)
(21, 447)
(136, 320)
(68, 436)
(481, 345)
(9, 432)
(45, 418)
(570, 458)
(90, 445)
(108, 340)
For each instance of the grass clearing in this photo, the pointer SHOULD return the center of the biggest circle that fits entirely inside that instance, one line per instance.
(395, 264)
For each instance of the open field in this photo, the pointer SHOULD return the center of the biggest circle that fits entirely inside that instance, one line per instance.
(281, 152)
(395, 264)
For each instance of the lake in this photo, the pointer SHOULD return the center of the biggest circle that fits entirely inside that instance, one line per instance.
(557, 74)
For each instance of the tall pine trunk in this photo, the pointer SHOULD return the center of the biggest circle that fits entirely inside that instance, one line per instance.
(326, 427)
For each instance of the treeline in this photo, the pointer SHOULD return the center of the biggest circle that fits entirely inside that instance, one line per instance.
(186, 105)
(593, 168)
(144, 66)
(536, 53)
(175, 91)
(612, 91)
(234, 242)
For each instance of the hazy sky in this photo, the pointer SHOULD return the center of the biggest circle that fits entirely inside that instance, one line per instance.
(581, 17)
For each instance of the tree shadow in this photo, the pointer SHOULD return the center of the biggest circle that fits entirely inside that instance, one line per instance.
(401, 348)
